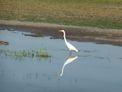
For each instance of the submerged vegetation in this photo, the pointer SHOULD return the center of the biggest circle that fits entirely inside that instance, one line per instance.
(21, 54)
(98, 13)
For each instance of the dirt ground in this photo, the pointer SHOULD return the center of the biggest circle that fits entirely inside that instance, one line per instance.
(98, 35)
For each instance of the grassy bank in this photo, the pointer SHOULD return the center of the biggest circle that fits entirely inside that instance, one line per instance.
(96, 13)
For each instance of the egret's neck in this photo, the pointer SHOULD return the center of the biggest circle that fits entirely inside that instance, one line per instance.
(65, 37)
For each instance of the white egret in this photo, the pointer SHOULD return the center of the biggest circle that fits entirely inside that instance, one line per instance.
(69, 46)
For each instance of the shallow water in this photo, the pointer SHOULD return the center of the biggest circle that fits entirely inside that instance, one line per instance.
(96, 68)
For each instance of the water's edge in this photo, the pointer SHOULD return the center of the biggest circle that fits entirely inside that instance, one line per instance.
(108, 36)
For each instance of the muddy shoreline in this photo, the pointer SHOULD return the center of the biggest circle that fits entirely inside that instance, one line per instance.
(98, 35)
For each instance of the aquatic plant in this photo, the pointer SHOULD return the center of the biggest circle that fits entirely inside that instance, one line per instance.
(21, 54)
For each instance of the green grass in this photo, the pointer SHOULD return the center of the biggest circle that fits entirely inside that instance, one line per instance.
(96, 13)
(22, 54)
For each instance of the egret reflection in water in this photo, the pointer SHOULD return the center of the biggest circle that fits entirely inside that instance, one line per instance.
(69, 60)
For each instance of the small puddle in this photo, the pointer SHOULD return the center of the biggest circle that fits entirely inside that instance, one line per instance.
(36, 63)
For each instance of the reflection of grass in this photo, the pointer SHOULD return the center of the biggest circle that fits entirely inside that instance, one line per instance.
(20, 54)
(100, 13)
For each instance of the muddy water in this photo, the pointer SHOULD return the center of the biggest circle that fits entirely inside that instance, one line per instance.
(96, 68)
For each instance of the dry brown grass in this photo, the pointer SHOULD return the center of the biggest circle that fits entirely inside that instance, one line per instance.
(64, 11)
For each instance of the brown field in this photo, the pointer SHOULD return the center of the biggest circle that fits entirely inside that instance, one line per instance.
(98, 13)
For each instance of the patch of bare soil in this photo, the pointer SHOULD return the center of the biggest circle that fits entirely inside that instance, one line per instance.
(3, 43)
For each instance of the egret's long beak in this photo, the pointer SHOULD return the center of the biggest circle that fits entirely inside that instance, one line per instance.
(60, 30)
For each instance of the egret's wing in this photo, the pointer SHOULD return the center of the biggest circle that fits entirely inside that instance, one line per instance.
(70, 46)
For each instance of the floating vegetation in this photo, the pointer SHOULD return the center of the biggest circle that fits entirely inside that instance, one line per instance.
(21, 54)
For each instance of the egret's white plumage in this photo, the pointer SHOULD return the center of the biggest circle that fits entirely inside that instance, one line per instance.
(69, 46)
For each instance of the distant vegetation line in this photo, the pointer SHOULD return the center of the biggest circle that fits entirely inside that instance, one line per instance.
(96, 13)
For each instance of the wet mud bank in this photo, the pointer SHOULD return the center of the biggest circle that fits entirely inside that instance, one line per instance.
(3, 43)
(98, 35)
